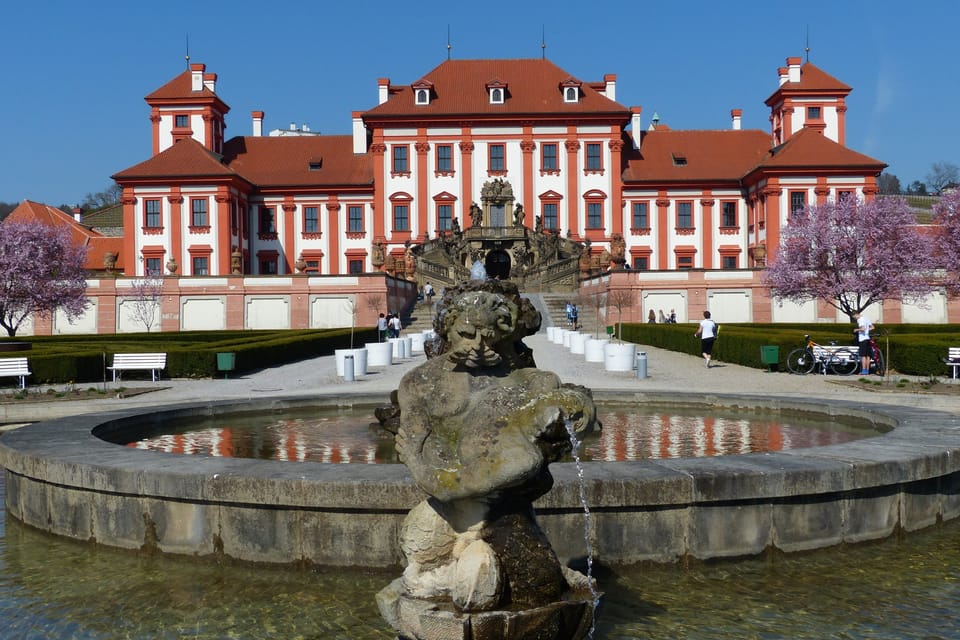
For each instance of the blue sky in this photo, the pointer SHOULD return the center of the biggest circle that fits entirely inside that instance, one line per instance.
(74, 74)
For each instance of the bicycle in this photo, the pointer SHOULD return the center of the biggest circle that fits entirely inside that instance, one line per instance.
(839, 360)
(877, 363)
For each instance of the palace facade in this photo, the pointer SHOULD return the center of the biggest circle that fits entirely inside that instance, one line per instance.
(542, 176)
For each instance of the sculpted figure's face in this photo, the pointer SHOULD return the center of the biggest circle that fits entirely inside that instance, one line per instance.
(478, 327)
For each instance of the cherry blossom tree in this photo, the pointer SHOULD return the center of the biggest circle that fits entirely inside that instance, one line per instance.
(852, 254)
(41, 270)
(946, 220)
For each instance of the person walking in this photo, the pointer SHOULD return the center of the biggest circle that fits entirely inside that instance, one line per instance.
(864, 327)
(428, 293)
(382, 327)
(395, 325)
(707, 332)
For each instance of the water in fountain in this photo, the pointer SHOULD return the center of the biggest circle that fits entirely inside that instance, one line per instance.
(575, 453)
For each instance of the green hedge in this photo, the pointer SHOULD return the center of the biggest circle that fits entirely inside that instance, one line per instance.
(63, 359)
(913, 349)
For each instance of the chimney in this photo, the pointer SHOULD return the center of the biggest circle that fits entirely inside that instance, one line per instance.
(793, 69)
(782, 72)
(210, 82)
(78, 214)
(383, 84)
(635, 125)
(257, 123)
(196, 76)
(736, 114)
(359, 133)
(610, 80)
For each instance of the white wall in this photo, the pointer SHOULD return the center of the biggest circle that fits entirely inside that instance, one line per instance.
(86, 323)
(267, 312)
(327, 312)
(203, 314)
(730, 305)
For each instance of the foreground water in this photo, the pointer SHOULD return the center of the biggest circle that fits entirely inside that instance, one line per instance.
(52, 589)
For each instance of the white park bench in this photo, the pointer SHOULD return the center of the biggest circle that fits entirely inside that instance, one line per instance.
(152, 362)
(953, 360)
(15, 367)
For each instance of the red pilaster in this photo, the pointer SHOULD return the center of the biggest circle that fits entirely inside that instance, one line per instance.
(662, 233)
(616, 189)
(423, 174)
(573, 197)
(333, 234)
(176, 225)
(706, 230)
(289, 238)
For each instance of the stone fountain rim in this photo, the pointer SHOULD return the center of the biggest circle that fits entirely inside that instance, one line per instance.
(921, 444)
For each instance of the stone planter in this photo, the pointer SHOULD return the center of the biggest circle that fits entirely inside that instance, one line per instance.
(593, 349)
(558, 335)
(552, 333)
(379, 354)
(359, 360)
(416, 344)
(619, 356)
(568, 336)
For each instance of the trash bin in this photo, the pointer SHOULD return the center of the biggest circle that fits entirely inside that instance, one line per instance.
(226, 362)
(770, 356)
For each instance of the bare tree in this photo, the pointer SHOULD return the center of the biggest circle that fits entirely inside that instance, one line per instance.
(620, 299)
(942, 175)
(595, 302)
(147, 294)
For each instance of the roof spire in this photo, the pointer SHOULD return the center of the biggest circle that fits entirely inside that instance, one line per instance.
(807, 48)
(449, 46)
(187, 57)
(543, 43)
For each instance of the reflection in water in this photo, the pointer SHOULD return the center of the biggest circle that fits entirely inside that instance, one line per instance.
(52, 589)
(629, 433)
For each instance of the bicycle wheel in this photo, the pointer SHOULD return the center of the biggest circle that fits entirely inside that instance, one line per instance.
(844, 362)
(879, 366)
(801, 361)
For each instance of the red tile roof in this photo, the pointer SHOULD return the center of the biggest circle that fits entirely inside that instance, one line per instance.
(813, 81)
(810, 148)
(286, 161)
(720, 155)
(96, 243)
(179, 87)
(185, 158)
(460, 89)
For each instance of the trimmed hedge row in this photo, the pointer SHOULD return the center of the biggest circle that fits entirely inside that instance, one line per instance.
(63, 359)
(913, 349)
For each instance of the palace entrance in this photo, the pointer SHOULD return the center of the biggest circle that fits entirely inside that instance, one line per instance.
(497, 264)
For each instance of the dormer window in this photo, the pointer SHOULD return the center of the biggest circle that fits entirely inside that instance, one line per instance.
(497, 91)
(679, 159)
(422, 90)
(571, 90)
(315, 164)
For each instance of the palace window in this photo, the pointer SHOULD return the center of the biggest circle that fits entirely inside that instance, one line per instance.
(198, 208)
(549, 215)
(200, 266)
(401, 217)
(151, 214)
(444, 217)
(798, 200)
(496, 95)
(570, 94)
(153, 266)
(594, 215)
(728, 262)
(444, 158)
(498, 158)
(641, 218)
(181, 121)
(843, 195)
(311, 220)
(594, 160)
(728, 214)
(267, 261)
(355, 266)
(548, 157)
(684, 215)
(685, 262)
(355, 218)
(267, 219)
(401, 159)
(641, 263)
(814, 113)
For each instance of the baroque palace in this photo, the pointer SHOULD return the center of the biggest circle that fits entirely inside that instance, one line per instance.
(542, 176)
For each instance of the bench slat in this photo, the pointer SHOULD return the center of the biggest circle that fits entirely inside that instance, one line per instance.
(15, 367)
(138, 361)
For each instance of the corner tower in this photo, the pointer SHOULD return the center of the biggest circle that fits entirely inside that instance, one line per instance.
(807, 98)
(188, 107)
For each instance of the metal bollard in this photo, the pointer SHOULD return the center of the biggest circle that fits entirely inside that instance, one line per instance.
(642, 365)
(348, 368)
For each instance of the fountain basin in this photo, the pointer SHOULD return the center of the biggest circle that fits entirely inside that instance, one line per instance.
(63, 479)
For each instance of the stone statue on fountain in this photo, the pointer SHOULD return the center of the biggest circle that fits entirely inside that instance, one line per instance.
(478, 426)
